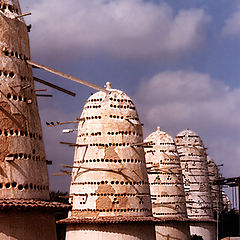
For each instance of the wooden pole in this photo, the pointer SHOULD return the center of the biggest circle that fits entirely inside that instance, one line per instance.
(23, 15)
(54, 86)
(64, 75)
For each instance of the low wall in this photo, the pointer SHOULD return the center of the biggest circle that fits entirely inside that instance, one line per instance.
(173, 231)
(27, 225)
(208, 230)
(133, 231)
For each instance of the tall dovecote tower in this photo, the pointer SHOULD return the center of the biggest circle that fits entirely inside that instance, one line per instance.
(109, 190)
(193, 160)
(24, 187)
(216, 190)
(166, 187)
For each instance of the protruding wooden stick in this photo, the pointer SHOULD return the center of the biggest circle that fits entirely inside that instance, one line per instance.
(68, 166)
(54, 86)
(62, 173)
(74, 144)
(10, 117)
(44, 95)
(40, 90)
(23, 15)
(54, 124)
(64, 75)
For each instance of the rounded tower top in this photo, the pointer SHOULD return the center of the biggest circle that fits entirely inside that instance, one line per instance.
(193, 160)
(189, 137)
(109, 177)
(165, 176)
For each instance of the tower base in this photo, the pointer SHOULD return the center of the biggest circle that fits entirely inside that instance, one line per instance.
(28, 219)
(172, 230)
(109, 229)
(206, 229)
(27, 225)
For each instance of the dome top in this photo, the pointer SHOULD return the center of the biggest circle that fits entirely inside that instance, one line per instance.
(160, 137)
(189, 137)
(187, 133)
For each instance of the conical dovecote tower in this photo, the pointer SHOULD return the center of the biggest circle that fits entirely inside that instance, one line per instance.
(23, 170)
(193, 159)
(216, 190)
(110, 190)
(166, 185)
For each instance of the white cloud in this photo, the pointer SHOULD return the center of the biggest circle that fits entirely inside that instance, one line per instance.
(181, 99)
(232, 24)
(120, 28)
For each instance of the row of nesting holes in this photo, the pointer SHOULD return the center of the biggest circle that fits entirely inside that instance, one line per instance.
(16, 98)
(23, 187)
(95, 100)
(177, 213)
(6, 74)
(115, 210)
(111, 133)
(111, 160)
(15, 54)
(169, 160)
(113, 194)
(112, 182)
(20, 133)
(111, 145)
(125, 133)
(121, 100)
(164, 183)
(92, 134)
(122, 117)
(11, 75)
(179, 195)
(93, 117)
(98, 106)
(166, 143)
(11, 8)
(25, 156)
(119, 106)
(170, 163)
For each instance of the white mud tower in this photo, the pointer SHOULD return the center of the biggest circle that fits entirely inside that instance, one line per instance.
(166, 187)
(216, 190)
(25, 213)
(109, 189)
(193, 159)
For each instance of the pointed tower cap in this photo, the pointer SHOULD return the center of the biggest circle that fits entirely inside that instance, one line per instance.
(108, 85)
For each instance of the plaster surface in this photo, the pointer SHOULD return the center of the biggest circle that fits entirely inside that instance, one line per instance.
(166, 186)
(34, 225)
(193, 160)
(114, 231)
(23, 168)
(109, 177)
(207, 230)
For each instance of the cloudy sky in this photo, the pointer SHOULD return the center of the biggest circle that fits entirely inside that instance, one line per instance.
(178, 60)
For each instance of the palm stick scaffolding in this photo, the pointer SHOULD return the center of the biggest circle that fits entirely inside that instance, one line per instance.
(64, 75)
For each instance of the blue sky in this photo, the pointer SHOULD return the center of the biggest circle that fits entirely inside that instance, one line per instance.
(178, 59)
